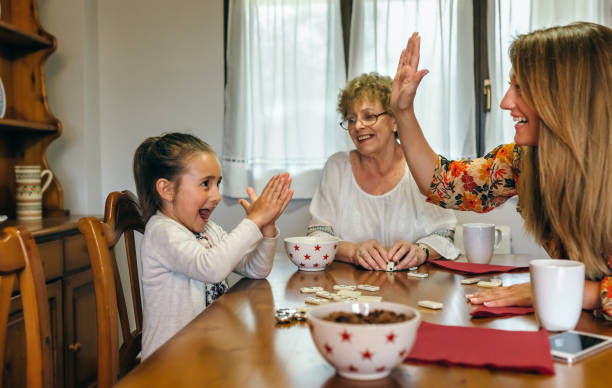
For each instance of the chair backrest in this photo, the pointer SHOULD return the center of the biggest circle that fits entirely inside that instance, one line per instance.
(122, 216)
(19, 259)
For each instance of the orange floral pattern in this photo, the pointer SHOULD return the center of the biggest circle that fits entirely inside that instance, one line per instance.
(478, 184)
(484, 183)
(605, 291)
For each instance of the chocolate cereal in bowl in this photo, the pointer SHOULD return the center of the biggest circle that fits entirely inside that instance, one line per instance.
(311, 253)
(363, 341)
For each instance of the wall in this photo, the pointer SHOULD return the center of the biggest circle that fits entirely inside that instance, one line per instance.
(72, 86)
(126, 70)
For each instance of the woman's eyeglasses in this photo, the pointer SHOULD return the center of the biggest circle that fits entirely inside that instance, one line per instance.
(367, 120)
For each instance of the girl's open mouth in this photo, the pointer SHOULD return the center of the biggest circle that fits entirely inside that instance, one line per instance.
(204, 214)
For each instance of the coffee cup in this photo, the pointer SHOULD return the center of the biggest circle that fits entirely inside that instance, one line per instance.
(29, 191)
(479, 241)
(557, 287)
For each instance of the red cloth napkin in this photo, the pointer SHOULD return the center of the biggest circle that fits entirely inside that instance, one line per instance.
(474, 268)
(521, 351)
(485, 312)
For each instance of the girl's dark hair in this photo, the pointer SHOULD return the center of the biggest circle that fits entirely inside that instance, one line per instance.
(162, 157)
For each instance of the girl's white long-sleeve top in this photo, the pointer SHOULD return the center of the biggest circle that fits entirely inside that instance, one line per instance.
(176, 267)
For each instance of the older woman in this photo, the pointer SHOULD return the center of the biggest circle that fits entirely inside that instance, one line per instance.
(560, 97)
(368, 197)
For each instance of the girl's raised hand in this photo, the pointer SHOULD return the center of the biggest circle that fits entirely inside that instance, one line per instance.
(408, 77)
(271, 203)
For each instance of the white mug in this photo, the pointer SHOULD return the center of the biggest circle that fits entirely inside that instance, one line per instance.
(29, 191)
(479, 241)
(557, 287)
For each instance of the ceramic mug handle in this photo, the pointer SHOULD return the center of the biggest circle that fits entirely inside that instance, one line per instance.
(498, 238)
(48, 181)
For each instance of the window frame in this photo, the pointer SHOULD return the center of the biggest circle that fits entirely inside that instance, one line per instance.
(481, 73)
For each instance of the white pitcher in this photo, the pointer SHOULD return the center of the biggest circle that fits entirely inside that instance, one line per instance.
(28, 179)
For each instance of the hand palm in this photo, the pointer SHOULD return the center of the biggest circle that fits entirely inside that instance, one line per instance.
(408, 77)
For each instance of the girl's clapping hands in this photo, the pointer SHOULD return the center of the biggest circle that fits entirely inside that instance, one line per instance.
(265, 209)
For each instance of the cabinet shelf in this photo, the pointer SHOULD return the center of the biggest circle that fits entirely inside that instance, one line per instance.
(26, 131)
(28, 126)
(20, 125)
(11, 35)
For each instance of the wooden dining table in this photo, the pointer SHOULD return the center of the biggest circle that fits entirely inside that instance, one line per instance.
(236, 342)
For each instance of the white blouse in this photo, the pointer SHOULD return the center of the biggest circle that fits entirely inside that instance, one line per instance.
(353, 215)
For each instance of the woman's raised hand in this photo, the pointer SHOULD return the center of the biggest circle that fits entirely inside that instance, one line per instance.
(265, 209)
(408, 76)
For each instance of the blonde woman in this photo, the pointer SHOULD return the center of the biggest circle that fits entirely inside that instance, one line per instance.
(368, 198)
(560, 97)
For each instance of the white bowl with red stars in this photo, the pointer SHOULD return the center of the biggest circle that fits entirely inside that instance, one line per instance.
(363, 351)
(311, 253)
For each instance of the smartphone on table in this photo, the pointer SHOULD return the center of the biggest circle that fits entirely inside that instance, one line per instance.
(572, 346)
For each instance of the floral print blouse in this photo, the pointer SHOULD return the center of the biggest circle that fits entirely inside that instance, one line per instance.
(484, 183)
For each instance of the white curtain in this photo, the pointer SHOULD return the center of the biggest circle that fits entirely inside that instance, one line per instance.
(445, 101)
(285, 67)
(509, 18)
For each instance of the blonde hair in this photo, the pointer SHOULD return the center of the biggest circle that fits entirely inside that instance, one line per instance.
(370, 86)
(565, 186)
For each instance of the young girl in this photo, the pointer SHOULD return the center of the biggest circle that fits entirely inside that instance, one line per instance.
(185, 257)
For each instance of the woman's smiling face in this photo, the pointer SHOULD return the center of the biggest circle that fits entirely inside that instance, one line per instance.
(527, 120)
(374, 137)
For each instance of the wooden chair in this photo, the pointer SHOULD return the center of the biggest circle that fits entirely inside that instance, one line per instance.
(122, 216)
(19, 259)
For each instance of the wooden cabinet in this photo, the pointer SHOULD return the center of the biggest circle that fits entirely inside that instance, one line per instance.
(26, 130)
(13, 374)
(28, 126)
(79, 320)
(72, 304)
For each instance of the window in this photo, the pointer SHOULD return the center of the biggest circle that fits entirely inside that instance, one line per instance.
(445, 100)
(287, 60)
(285, 65)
